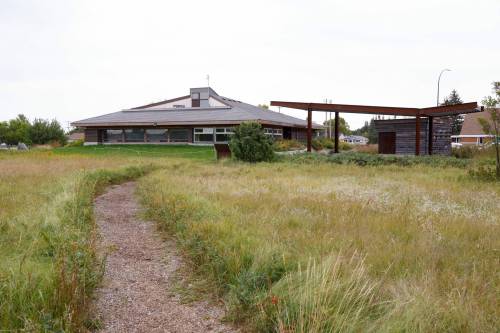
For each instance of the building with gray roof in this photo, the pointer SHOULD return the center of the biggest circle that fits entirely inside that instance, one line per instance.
(202, 117)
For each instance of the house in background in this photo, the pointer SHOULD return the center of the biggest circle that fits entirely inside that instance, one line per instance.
(202, 117)
(354, 139)
(472, 132)
(75, 136)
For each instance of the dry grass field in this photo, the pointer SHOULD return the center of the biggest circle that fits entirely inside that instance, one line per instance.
(288, 246)
(338, 248)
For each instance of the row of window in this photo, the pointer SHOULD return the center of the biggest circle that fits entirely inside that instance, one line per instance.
(175, 135)
(213, 134)
(146, 135)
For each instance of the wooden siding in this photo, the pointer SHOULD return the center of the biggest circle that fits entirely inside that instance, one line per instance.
(405, 135)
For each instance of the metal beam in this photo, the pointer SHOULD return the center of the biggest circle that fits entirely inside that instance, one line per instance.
(336, 132)
(430, 136)
(309, 130)
(417, 135)
(384, 110)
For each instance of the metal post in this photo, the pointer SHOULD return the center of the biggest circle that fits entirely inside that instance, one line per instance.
(430, 135)
(417, 135)
(336, 132)
(309, 130)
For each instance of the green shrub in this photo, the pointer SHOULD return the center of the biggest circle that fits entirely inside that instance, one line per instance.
(250, 144)
(464, 151)
(76, 143)
(486, 173)
(317, 144)
(327, 143)
(286, 145)
(344, 146)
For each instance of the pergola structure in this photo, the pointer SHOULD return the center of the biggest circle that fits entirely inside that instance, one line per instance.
(431, 112)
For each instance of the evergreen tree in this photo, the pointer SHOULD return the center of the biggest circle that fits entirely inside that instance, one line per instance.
(458, 120)
(249, 143)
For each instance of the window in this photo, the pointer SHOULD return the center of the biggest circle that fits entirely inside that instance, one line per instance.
(273, 131)
(113, 135)
(223, 134)
(179, 135)
(156, 135)
(134, 135)
(179, 106)
(203, 135)
(195, 96)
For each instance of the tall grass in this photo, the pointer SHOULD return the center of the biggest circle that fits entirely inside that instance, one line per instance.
(48, 264)
(327, 248)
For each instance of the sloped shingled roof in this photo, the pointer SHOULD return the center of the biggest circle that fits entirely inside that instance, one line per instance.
(471, 125)
(235, 112)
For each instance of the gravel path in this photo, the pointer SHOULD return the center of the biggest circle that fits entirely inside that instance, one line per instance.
(136, 294)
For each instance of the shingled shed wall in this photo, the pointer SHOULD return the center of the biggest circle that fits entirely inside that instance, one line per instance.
(405, 135)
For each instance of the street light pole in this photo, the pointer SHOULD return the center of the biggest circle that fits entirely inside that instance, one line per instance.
(439, 81)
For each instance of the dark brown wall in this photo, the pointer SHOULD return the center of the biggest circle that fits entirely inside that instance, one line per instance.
(91, 135)
(405, 135)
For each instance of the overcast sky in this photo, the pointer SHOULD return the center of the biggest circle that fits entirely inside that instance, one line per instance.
(71, 60)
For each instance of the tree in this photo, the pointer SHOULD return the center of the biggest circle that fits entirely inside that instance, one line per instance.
(4, 129)
(492, 126)
(249, 143)
(343, 125)
(18, 131)
(263, 106)
(458, 120)
(42, 131)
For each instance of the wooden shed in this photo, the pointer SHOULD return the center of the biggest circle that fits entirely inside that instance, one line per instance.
(397, 136)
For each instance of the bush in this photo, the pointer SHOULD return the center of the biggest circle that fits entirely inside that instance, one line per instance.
(250, 144)
(486, 173)
(286, 145)
(44, 131)
(317, 144)
(326, 143)
(345, 146)
(464, 152)
(76, 143)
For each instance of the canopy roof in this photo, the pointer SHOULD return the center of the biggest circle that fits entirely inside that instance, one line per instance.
(436, 111)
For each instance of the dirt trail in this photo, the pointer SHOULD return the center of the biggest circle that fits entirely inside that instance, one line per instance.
(136, 294)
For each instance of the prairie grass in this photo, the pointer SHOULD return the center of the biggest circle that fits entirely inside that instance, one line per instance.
(48, 266)
(322, 247)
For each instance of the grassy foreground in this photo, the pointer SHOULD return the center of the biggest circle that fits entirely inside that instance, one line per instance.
(319, 247)
(48, 265)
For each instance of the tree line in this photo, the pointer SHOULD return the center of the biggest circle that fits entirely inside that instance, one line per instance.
(40, 131)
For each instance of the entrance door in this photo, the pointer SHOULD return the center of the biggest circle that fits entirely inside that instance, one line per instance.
(387, 142)
(287, 133)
